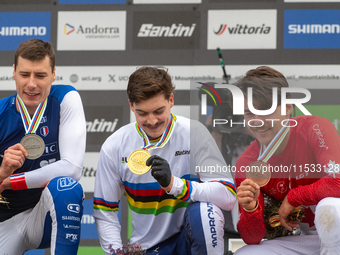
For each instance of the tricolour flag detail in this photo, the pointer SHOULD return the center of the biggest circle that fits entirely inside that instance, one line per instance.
(18, 181)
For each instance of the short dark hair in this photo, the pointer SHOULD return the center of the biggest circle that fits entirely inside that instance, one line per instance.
(147, 82)
(263, 79)
(35, 50)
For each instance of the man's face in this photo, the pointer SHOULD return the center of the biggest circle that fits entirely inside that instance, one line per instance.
(153, 114)
(33, 81)
(270, 125)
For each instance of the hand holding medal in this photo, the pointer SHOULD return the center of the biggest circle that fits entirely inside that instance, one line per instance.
(12, 159)
(137, 159)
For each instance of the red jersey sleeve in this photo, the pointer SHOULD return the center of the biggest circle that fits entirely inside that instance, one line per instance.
(251, 224)
(324, 141)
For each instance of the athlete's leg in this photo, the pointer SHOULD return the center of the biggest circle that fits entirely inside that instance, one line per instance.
(327, 223)
(12, 239)
(55, 220)
(292, 245)
(204, 227)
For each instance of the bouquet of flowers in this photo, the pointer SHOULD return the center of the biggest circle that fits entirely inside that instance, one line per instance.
(128, 249)
(272, 221)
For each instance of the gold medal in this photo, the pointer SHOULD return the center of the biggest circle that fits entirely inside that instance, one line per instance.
(259, 173)
(137, 160)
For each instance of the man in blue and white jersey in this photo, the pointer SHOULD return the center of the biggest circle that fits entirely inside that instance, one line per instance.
(42, 148)
(174, 211)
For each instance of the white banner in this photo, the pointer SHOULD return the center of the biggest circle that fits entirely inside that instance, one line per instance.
(242, 29)
(116, 77)
(91, 30)
(89, 171)
(167, 1)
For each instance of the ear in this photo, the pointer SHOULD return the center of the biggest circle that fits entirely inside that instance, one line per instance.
(289, 109)
(131, 106)
(53, 73)
(171, 100)
(13, 72)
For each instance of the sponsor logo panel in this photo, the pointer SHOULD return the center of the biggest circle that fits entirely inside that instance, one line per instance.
(92, 1)
(101, 122)
(239, 1)
(166, 30)
(16, 27)
(312, 29)
(91, 30)
(242, 29)
(25, 2)
(167, 1)
(311, 1)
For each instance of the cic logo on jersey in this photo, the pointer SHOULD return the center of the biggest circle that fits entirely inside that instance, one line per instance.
(219, 94)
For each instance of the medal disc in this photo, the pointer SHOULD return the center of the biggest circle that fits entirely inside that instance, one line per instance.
(259, 173)
(34, 145)
(137, 160)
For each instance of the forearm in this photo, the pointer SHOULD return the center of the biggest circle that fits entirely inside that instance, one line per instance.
(213, 192)
(311, 194)
(40, 177)
(251, 226)
(109, 234)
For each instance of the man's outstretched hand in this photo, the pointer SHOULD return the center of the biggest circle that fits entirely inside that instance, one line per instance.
(160, 170)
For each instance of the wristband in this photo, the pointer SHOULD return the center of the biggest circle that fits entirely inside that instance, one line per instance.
(252, 210)
(18, 181)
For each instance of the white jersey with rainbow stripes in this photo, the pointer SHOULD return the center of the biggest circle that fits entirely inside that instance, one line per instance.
(158, 215)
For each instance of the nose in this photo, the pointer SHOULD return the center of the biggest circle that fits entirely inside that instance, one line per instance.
(152, 120)
(31, 82)
(257, 121)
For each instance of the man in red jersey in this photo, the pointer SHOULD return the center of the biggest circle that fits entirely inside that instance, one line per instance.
(304, 160)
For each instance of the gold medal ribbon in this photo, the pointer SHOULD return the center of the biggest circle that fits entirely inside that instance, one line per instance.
(165, 136)
(137, 159)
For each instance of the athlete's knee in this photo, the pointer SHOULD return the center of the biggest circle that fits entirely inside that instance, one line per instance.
(65, 192)
(66, 186)
(327, 218)
(204, 224)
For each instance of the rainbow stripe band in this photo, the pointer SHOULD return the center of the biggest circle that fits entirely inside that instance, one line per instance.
(230, 186)
(103, 205)
(185, 195)
(266, 153)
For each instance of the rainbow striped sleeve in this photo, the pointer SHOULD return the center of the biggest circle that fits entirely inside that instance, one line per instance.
(230, 186)
(103, 205)
(185, 195)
